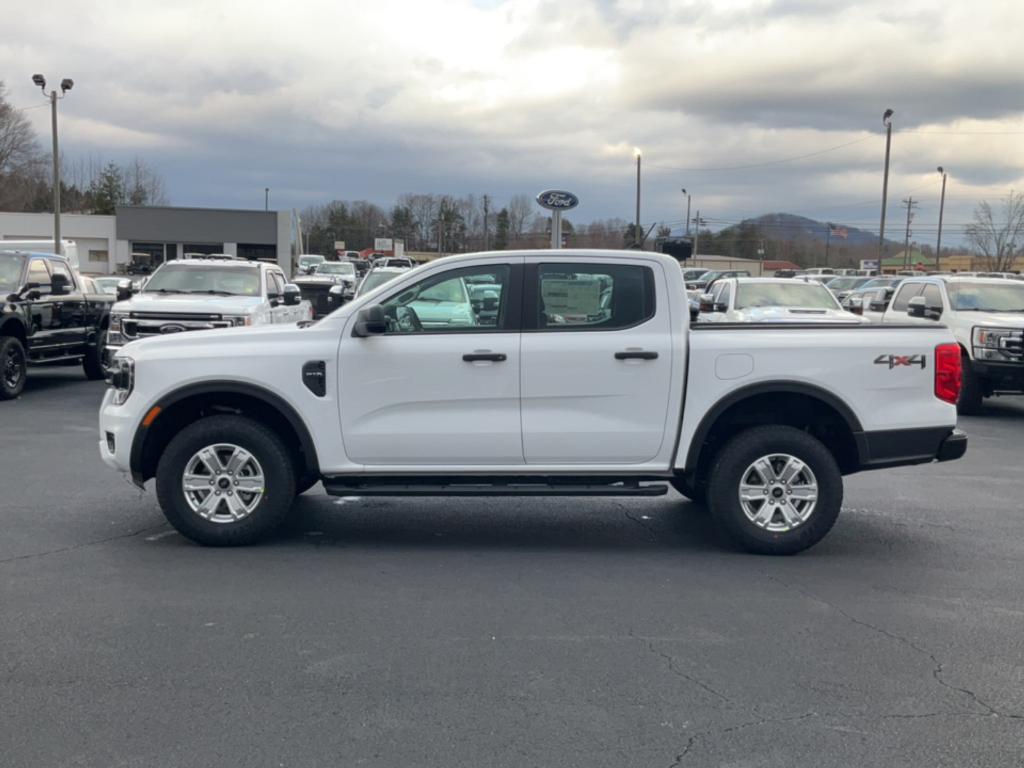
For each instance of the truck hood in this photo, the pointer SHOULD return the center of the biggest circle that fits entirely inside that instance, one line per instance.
(994, 319)
(216, 342)
(323, 280)
(796, 315)
(178, 303)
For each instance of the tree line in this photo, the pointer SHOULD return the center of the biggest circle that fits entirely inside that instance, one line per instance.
(88, 185)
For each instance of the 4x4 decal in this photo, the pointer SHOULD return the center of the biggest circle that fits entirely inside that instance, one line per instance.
(894, 361)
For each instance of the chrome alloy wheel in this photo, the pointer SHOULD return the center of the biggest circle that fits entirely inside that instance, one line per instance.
(778, 492)
(223, 483)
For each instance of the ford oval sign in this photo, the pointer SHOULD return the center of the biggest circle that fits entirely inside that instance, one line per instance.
(557, 200)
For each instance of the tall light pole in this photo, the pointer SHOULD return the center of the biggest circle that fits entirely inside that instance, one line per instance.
(687, 211)
(887, 121)
(636, 230)
(942, 204)
(65, 85)
(266, 198)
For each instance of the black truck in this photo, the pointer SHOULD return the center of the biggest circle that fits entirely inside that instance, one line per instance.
(47, 319)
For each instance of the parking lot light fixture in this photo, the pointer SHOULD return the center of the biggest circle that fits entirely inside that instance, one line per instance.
(65, 85)
(887, 122)
(942, 205)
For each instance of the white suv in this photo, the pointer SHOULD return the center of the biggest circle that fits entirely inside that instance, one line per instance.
(986, 316)
(203, 293)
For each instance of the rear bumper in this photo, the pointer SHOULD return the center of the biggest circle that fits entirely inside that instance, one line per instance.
(905, 447)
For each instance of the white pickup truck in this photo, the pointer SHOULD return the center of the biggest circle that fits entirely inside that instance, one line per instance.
(584, 379)
(985, 315)
(202, 293)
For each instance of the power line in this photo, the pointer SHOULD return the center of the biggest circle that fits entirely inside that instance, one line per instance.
(766, 162)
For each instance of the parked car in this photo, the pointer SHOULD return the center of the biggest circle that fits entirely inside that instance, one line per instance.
(377, 277)
(694, 273)
(709, 277)
(47, 317)
(842, 286)
(394, 261)
(618, 399)
(317, 286)
(107, 284)
(871, 299)
(307, 263)
(771, 300)
(203, 294)
(986, 316)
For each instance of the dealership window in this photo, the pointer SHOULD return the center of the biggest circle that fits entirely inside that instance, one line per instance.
(205, 248)
(260, 251)
(99, 256)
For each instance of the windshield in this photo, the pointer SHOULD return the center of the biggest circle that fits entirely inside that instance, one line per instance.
(307, 260)
(846, 283)
(882, 282)
(987, 297)
(375, 279)
(802, 295)
(222, 281)
(11, 267)
(336, 268)
(107, 284)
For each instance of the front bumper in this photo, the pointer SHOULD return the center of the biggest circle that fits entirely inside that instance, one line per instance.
(1001, 377)
(117, 428)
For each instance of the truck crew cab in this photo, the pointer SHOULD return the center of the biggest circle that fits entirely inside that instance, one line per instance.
(46, 318)
(581, 378)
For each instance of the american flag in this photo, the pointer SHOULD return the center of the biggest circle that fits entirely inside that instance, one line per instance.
(837, 231)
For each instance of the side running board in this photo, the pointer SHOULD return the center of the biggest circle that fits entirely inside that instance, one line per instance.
(491, 486)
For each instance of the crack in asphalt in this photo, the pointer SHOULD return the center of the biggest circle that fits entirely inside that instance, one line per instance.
(655, 533)
(82, 545)
(937, 666)
(688, 677)
(731, 729)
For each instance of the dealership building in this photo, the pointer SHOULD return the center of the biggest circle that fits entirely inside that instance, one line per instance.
(106, 243)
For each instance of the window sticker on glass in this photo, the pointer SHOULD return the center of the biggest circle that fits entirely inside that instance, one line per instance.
(572, 299)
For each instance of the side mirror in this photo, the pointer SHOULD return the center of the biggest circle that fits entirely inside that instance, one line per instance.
(694, 313)
(336, 295)
(855, 306)
(370, 321)
(59, 285)
(917, 307)
(124, 290)
(707, 302)
(292, 295)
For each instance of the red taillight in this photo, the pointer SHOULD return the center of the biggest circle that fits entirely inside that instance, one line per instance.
(948, 373)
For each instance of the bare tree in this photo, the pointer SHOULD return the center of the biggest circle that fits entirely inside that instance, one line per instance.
(17, 139)
(520, 209)
(998, 238)
(143, 185)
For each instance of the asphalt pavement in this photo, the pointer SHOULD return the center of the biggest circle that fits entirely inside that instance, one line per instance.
(521, 632)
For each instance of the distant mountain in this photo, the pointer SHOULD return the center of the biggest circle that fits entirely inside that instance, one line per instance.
(787, 227)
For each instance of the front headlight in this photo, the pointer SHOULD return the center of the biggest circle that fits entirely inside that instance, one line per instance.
(121, 378)
(239, 319)
(999, 344)
(115, 332)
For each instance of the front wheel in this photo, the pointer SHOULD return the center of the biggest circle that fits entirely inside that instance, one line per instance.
(972, 392)
(13, 367)
(775, 489)
(225, 481)
(94, 362)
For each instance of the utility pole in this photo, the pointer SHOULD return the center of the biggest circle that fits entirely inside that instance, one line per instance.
(887, 121)
(487, 210)
(266, 198)
(687, 211)
(637, 242)
(696, 235)
(942, 205)
(828, 240)
(909, 202)
(65, 85)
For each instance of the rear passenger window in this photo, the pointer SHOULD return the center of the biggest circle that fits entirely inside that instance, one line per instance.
(906, 292)
(932, 296)
(598, 297)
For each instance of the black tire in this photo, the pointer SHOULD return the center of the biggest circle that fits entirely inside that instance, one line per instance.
(728, 472)
(268, 450)
(13, 367)
(696, 493)
(92, 363)
(972, 392)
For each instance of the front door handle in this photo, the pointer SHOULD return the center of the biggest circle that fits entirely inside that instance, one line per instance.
(475, 357)
(636, 354)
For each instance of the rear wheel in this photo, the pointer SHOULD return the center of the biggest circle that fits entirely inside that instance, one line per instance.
(972, 392)
(94, 362)
(13, 367)
(225, 481)
(775, 489)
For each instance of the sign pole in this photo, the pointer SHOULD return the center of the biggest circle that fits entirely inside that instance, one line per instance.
(556, 229)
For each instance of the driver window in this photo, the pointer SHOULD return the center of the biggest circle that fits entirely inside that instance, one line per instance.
(462, 300)
(38, 273)
(723, 295)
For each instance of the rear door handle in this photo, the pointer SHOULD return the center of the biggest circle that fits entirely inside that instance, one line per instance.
(475, 357)
(636, 354)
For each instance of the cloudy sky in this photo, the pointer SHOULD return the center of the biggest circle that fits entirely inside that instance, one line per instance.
(365, 100)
